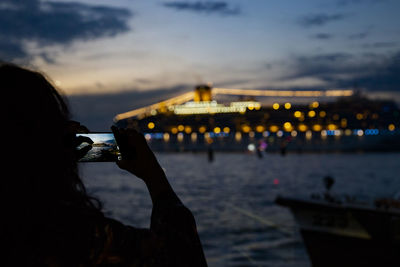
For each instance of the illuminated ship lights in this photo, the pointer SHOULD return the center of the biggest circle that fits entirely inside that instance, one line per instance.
(211, 107)
(279, 134)
(283, 93)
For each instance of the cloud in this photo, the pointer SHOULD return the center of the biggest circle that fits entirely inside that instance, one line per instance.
(322, 36)
(384, 77)
(381, 45)
(358, 36)
(322, 66)
(374, 72)
(54, 23)
(343, 3)
(10, 49)
(208, 7)
(319, 19)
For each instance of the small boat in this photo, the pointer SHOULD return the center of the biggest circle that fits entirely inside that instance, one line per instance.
(344, 232)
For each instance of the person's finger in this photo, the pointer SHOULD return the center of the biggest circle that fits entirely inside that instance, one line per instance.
(80, 153)
(135, 137)
(129, 141)
(125, 164)
(76, 127)
(82, 139)
(85, 139)
(82, 129)
(73, 124)
(122, 164)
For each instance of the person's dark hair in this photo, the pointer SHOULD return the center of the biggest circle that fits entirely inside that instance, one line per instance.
(46, 212)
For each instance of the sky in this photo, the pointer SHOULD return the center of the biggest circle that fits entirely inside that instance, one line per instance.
(135, 51)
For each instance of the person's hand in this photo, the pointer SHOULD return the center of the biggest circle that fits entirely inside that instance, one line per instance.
(137, 157)
(81, 152)
(75, 127)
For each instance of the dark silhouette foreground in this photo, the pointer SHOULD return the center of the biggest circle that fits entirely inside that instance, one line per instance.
(48, 218)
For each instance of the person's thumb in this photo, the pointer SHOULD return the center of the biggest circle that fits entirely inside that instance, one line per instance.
(123, 164)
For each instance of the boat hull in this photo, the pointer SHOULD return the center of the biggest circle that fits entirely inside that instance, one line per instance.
(332, 250)
(347, 235)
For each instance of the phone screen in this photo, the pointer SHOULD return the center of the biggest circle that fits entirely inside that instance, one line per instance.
(103, 149)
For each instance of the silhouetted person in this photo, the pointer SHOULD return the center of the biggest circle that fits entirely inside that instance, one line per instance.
(48, 218)
(283, 148)
(210, 153)
(259, 154)
(328, 182)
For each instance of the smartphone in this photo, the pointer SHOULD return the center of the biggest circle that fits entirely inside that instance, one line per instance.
(103, 149)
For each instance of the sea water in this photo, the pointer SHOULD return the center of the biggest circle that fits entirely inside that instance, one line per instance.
(232, 197)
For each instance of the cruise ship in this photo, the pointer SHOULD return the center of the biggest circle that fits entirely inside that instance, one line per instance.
(343, 121)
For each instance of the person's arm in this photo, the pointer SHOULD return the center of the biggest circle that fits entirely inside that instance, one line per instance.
(173, 227)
